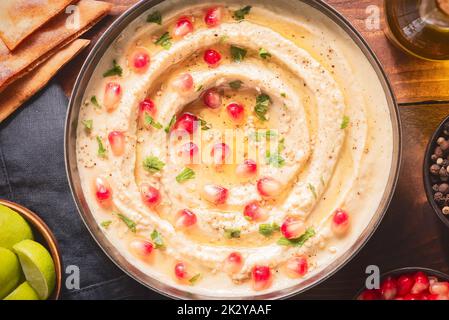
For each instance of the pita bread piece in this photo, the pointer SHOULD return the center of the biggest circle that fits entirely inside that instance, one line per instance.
(21, 90)
(54, 35)
(20, 18)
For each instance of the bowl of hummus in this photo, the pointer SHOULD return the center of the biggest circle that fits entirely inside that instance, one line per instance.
(231, 150)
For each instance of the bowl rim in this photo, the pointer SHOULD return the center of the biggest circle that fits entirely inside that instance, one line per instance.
(42, 228)
(407, 270)
(432, 144)
(167, 290)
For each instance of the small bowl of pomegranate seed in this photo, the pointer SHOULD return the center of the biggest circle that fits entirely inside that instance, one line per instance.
(409, 284)
(436, 171)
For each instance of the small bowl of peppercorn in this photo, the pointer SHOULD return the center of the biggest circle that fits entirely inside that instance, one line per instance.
(436, 171)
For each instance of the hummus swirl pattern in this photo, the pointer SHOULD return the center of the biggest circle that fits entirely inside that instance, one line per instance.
(225, 156)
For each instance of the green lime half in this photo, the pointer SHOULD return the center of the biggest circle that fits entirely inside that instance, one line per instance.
(9, 272)
(38, 266)
(13, 228)
(23, 292)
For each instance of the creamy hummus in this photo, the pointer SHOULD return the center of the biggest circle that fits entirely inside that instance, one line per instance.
(286, 151)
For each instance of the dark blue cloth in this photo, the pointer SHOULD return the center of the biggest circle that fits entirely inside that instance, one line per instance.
(32, 173)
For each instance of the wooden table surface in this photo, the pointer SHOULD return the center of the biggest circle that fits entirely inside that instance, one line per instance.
(410, 234)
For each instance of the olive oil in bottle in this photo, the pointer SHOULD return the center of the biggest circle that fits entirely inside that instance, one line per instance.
(420, 27)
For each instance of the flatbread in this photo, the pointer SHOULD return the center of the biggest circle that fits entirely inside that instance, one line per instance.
(120, 6)
(54, 35)
(20, 18)
(21, 90)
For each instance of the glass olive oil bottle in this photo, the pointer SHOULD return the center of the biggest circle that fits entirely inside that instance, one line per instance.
(420, 27)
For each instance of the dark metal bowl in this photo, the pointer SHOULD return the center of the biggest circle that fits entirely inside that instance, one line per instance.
(74, 180)
(426, 174)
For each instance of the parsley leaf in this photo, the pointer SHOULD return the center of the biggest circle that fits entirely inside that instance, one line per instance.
(194, 279)
(298, 242)
(149, 121)
(164, 41)
(171, 124)
(345, 122)
(155, 17)
(267, 229)
(153, 164)
(199, 88)
(204, 125)
(263, 101)
(237, 84)
(116, 70)
(238, 54)
(185, 175)
(157, 239)
(259, 135)
(232, 233)
(241, 13)
(94, 101)
(101, 149)
(106, 224)
(312, 189)
(88, 124)
(275, 160)
(129, 223)
(264, 54)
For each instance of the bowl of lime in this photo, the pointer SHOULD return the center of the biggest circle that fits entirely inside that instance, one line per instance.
(30, 262)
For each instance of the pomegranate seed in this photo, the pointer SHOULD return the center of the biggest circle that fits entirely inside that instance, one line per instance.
(215, 194)
(405, 285)
(370, 295)
(183, 27)
(429, 296)
(212, 57)
(112, 95)
(185, 219)
(139, 60)
(236, 112)
(388, 289)
(184, 82)
(187, 122)
(103, 192)
(141, 248)
(432, 280)
(254, 212)
(411, 297)
(440, 288)
(181, 271)
(421, 283)
(269, 187)
(233, 263)
(212, 99)
(262, 278)
(150, 195)
(213, 16)
(117, 142)
(247, 169)
(188, 152)
(147, 106)
(292, 228)
(220, 152)
(297, 267)
(340, 222)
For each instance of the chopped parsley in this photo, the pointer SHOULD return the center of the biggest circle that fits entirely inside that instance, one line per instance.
(116, 70)
(283, 95)
(171, 124)
(263, 101)
(199, 88)
(101, 149)
(237, 84)
(164, 41)
(241, 13)
(153, 164)
(264, 54)
(155, 17)
(232, 233)
(223, 39)
(281, 145)
(238, 54)
(345, 122)
(157, 239)
(195, 279)
(149, 121)
(129, 223)
(106, 224)
(94, 101)
(185, 175)
(259, 135)
(267, 229)
(88, 124)
(298, 242)
(312, 189)
(204, 125)
(275, 159)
